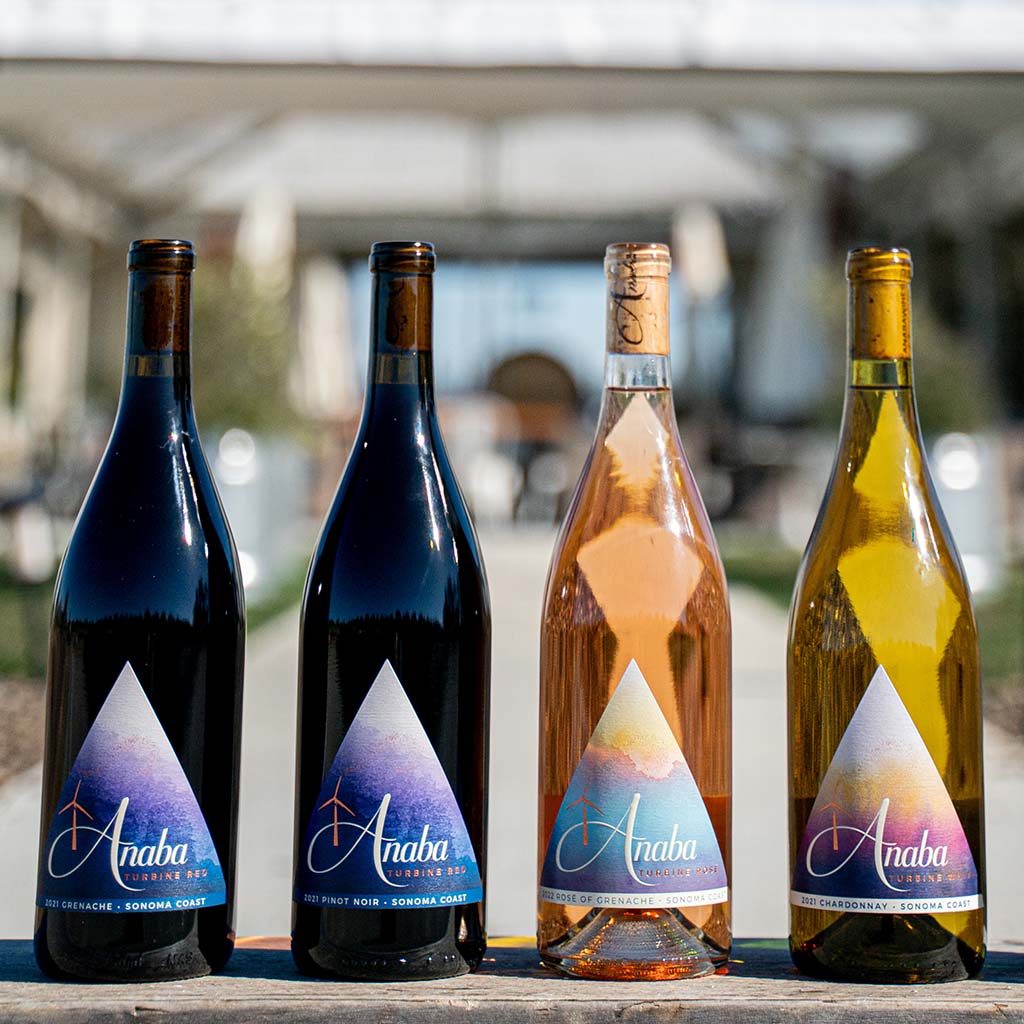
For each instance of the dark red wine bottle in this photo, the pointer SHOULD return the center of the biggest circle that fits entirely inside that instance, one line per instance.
(144, 680)
(394, 680)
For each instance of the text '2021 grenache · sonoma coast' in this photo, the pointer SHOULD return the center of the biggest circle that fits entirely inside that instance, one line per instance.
(144, 679)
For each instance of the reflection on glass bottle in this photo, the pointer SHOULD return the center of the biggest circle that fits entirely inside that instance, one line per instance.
(884, 694)
(635, 770)
(144, 680)
(394, 680)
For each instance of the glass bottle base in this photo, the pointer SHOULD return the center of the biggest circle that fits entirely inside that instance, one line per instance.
(887, 949)
(415, 965)
(633, 945)
(69, 953)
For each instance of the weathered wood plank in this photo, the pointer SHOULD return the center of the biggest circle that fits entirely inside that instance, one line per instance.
(261, 985)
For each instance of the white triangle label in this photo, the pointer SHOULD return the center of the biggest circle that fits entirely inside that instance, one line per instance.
(633, 830)
(883, 835)
(386, 831)
(128, 834)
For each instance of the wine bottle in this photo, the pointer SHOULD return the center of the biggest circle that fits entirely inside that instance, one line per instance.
(635, 763)
(394, 680)
(884, 700)
(144, 679)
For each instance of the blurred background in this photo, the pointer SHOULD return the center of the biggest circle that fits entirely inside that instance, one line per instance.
(760, 140)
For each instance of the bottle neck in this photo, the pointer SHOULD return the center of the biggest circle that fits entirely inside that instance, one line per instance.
(627, 371)
(878, 332)
(401, 373)
(157, 380)
(637, 326)
(880, 409)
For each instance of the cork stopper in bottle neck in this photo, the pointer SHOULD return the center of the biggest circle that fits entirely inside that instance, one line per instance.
(638, 294)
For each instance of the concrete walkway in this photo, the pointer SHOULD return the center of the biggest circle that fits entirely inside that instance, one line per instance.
(516, 565)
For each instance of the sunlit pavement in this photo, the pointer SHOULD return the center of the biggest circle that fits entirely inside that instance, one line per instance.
(516, 565)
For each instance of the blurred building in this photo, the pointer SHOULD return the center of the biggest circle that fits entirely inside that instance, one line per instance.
(760, 139)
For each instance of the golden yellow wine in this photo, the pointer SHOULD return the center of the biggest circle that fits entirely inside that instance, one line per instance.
(884, 690)
(635, 763)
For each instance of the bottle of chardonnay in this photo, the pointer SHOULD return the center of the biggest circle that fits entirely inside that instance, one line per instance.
(394, 676)
(635, 745)
(884, 700)
(144, 680)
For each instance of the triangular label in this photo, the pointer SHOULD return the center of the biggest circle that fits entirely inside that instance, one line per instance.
(386, 830)
(128, 834)
(883, 835)
(633, 830)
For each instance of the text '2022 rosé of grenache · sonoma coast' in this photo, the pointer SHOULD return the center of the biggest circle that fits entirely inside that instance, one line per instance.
(394, 680)
(884, 691)
(144, 680)
(635, 762)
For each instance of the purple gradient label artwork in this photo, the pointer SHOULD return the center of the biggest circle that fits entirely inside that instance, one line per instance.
(883, 835)
(633, 830)
(387, 830)
(128, 835)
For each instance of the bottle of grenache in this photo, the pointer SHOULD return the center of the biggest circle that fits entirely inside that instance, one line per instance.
(884, 701)
(144, 680)
(635, 762)
(394, 680)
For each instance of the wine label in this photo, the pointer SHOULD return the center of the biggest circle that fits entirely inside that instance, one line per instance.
(387, 831)
(632, 830)
(128, 834)
(883, 835)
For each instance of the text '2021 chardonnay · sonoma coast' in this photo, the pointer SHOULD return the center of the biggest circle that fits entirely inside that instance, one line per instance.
(884, 696)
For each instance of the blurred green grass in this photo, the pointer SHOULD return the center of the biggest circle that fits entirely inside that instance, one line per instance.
(772, 570)
(768, 568)
(25, 618)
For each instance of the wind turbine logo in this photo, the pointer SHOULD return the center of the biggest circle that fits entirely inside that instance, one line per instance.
(835, 807)
(74, 807)
(335, 802)
(585, 803)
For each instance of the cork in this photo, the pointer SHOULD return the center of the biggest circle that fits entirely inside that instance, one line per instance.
(638, 297)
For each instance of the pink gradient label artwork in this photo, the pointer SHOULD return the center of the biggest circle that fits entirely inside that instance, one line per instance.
(128, 835)
(386, 831)
(633, 830)
(883, 835)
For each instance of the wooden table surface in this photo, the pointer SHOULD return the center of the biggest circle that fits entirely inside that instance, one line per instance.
(261, 985)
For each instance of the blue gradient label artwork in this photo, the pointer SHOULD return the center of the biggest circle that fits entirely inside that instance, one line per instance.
(128, 835)
(386, 831)
(633, 829)
(883, 835)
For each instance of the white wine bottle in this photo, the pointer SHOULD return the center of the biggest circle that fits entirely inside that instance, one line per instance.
(635, 680)
(884, 690)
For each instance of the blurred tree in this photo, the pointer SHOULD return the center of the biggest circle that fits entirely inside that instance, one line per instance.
(244, 342)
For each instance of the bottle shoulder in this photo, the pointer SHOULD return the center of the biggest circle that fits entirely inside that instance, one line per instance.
(636, 517)
(150, 533)
(876, 549)
(397, 536)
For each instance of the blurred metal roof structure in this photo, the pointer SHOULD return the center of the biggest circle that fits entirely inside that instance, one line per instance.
(533, 117)
(852, 35)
